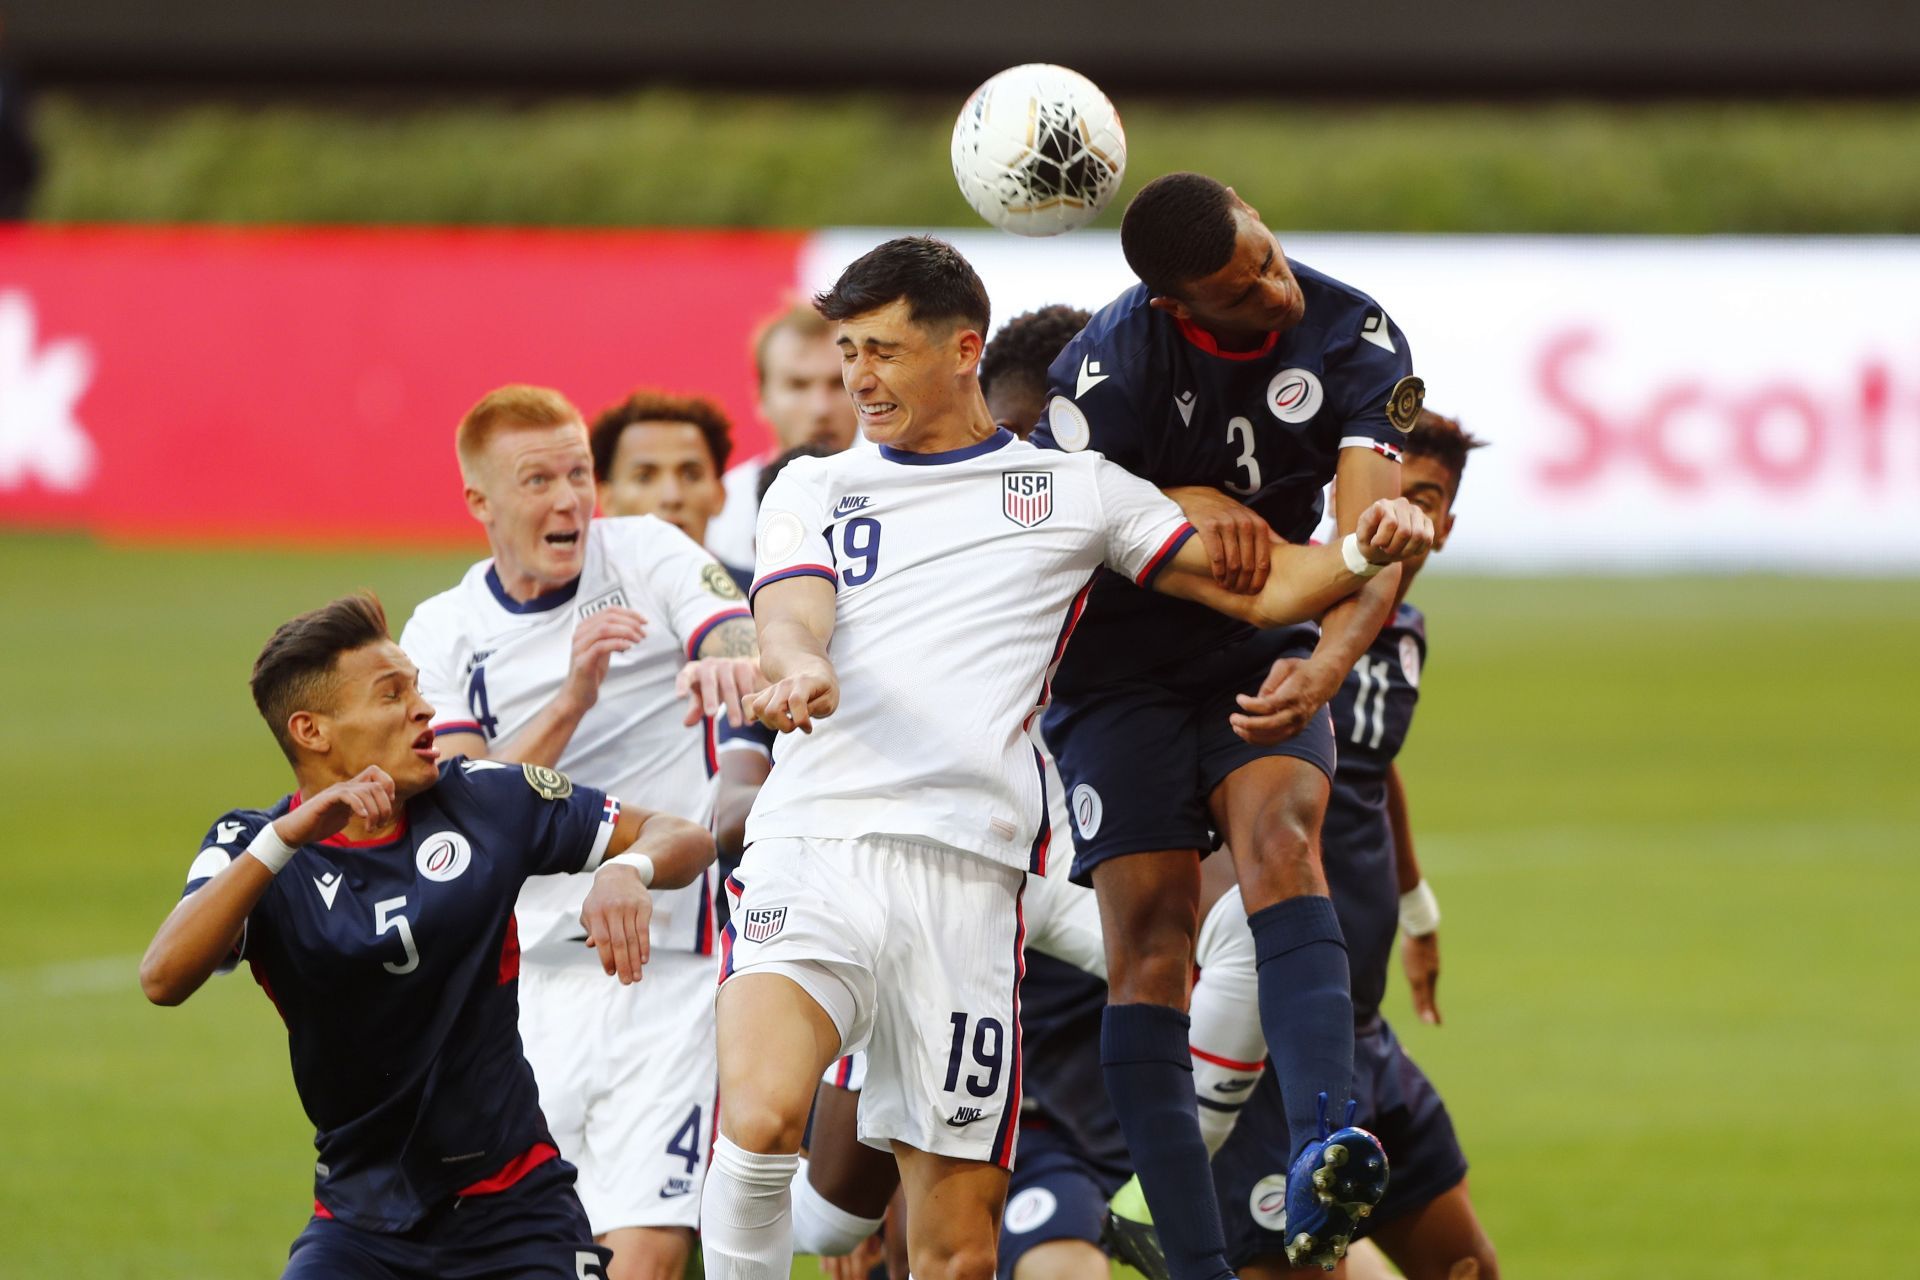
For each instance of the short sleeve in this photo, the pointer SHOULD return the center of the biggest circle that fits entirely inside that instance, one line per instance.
(791, 540)
(751, 736)
(1089, 407)
(225, 840)
(698, 592)
(1371, 387)
(1143, 526)
(559, 826)
(440, 684)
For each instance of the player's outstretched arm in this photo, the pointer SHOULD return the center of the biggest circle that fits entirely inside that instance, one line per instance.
(1304, 582)
(795, 621)
(1419, 911)
(647, 851)
(204, 927)
(722, 673)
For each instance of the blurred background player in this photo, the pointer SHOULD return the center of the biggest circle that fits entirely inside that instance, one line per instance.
(1232, 373)
(1013, 372)
(797, 370)
(388, 947)
(1426, 1223)
(570, 647)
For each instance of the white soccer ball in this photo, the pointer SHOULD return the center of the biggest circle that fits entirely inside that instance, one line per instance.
(1038, 150)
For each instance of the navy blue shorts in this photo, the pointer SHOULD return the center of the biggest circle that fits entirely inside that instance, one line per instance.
(1057, 1192)
(534, 1229)
(1138, 758)
(1397, 1102)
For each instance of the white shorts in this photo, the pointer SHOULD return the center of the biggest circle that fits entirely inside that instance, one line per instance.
(1063, 920)
(914, 951)
(627, 1080)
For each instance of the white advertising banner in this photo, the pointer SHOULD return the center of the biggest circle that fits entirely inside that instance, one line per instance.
(1652, 403)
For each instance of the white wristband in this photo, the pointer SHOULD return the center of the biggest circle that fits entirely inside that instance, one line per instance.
(638, 861)
(1419, 910)
(1358, 565)
(273, 852)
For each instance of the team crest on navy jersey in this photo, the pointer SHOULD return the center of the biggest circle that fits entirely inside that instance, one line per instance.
(551, 784)
(1027, 497)
(1294, 395)
(758, 924)
(442, 856)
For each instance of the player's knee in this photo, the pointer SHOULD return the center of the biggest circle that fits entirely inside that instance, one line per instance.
(766, 1129)
(969, 1261)
(1284, 849)
(1161, 977)
(1062, 1260)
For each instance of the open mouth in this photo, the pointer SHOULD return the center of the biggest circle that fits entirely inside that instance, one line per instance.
(423, 745)
(569, 539)
(878, 409)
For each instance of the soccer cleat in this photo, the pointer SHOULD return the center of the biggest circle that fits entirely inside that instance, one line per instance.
(1128, 1234)
(1334, 1183)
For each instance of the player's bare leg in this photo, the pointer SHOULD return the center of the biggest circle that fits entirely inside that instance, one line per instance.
(647, 1253)
(843, 1198)
(953, 1214)
(774, 1041)
(1362, 1265)
(1063, 1260)
(1150, 915)
(1441, 1240)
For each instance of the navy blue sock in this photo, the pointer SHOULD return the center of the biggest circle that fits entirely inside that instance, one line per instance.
(1149, 1074)
(1306, 1009)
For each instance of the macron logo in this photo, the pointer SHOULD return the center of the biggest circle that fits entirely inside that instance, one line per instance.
(1090, 377)
(1374, 329)
(850, 505)
(328, 885)
(228, 832)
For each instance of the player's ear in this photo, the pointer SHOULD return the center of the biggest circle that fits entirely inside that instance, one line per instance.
(968, 346)
(476, 504)
(305, 731)
(1172, 306)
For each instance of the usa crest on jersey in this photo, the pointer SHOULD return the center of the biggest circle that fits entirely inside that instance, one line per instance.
(1027, 497)
(762, 923)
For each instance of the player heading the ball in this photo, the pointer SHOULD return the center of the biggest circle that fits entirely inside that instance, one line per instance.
(910, 601)
(375, 907)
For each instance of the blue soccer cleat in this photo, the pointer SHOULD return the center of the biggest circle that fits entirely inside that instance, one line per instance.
(1333, 1183)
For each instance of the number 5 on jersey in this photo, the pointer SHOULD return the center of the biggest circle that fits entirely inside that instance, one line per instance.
(383, 921)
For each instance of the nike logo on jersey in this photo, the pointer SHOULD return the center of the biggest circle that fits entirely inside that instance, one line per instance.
(1184, 403)
(228, 832)
(851, 504)
(964, 1116)
(1090, 377)
(1234, 1086)
(676, 1187)
(1374, 329)
(473, 766)
(328, 885)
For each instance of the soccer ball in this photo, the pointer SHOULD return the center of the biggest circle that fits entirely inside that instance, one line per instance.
(1038, 150)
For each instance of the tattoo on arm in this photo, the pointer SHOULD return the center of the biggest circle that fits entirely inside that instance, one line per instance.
(733, 638)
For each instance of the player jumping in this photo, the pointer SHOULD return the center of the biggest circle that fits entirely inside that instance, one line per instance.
(1224, 369)
(909, 602)
(375, 907)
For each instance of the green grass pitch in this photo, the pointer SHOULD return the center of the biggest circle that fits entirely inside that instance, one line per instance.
(1673, 824)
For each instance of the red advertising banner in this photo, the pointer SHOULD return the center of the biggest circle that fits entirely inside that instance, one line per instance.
(304, 384)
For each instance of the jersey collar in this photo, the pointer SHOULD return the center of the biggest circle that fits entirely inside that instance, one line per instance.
(1000, 439)
(338, 841)
(1205, 341)
(539, 604)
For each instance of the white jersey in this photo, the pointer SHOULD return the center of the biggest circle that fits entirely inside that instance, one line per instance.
(730, 534)
(959, 578)
(489, 663)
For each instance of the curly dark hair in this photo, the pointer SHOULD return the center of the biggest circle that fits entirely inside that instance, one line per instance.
(648, 405)
(1444, 440)
(1021, 352)
(1177, 229)
(771, 472)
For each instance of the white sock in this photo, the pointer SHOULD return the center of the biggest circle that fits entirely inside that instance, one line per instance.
(1229, 1048)
(746, 1214)
(822, 1227)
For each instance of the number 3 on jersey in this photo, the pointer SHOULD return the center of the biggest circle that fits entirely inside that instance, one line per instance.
(1240, 430)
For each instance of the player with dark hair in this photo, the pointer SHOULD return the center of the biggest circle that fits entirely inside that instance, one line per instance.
(1242, 386)
(879, 903)
(375, 907)
(662, 455)
(1426, 1222)
(1013, 370)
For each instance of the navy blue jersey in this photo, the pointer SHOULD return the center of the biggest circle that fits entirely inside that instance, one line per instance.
(1372, 713)
(394, 967)
(1060, 1012)
(1161, 399)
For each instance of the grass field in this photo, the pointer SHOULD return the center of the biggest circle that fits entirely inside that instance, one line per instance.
(1673, 823)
